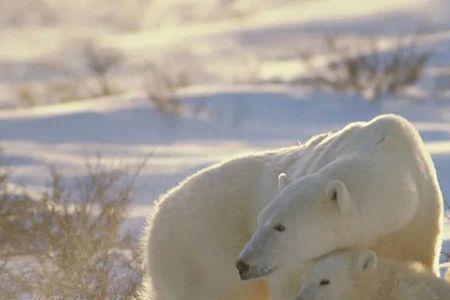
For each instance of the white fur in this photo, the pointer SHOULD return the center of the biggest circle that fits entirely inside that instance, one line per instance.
(359, 274)
(387, 196)
(369, 185)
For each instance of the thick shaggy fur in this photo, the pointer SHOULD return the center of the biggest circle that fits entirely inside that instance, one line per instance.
(197, 230)
(359, 274)
(367, 185)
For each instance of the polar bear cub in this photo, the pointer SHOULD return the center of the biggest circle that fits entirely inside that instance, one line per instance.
(360, 274)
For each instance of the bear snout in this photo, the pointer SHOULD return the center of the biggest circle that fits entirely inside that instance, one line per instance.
(242, 267)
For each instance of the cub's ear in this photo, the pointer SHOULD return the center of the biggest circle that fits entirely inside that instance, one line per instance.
(283, 181)
(366, 260)
(338, 194)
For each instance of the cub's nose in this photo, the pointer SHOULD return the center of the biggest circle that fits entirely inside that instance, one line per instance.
(242, 267)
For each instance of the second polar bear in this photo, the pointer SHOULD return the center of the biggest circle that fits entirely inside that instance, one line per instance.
(359, 274)
(369, 185)
(196, 231)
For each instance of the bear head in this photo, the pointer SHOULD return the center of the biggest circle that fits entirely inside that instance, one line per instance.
(336, 276)
(310, 217)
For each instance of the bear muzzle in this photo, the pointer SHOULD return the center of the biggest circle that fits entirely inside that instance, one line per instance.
(247, 272)
(242, 267)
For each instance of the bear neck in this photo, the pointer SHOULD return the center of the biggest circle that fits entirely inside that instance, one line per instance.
(384, 281)
(370, 287)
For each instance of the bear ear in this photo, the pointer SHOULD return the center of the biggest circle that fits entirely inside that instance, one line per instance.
(338, 194)
(283, 181)
(366, 261)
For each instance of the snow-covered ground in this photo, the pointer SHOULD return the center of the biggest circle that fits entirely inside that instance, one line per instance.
(223, 119)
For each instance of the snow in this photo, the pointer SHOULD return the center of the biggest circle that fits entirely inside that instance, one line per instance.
(222, 118)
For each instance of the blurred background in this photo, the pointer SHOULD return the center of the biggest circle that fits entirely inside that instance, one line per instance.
(105, 104)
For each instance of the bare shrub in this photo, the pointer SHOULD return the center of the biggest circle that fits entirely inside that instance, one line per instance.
(65, 90)
(368, 69)
(27, 95)
(52, 91)
(75, 246)
(160, 87)
(100, 61)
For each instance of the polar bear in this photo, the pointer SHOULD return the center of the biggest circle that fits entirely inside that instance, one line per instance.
(356, 274)
(367, 185)
(196, 231)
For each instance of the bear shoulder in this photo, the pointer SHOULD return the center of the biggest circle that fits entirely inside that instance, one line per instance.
(393, 126)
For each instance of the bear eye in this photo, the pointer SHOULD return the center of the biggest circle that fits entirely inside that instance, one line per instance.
(334, 196)
(279, 228)
(324, 282)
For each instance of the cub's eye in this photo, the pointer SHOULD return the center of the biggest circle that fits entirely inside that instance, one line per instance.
(279, 228)
(324, 282)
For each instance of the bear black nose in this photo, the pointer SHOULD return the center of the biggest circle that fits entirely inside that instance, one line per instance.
(242, 266)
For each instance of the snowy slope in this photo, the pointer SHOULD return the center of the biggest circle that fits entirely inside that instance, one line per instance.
(269, 38)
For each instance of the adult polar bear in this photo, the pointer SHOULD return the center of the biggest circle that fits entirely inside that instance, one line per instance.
(382, 190)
